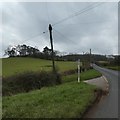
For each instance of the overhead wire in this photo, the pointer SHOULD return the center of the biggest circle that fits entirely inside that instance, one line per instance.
(69, 17)
(39, 34)
(62, 34)
(78, 13)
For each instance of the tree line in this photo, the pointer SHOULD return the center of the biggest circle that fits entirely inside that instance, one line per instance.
(29, 51)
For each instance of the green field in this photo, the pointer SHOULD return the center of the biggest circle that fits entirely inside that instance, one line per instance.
(68, 100)
(107, 64)
(114, 67)
(12, 66)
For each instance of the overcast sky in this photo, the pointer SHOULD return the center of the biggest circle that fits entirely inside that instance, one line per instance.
(96, 29)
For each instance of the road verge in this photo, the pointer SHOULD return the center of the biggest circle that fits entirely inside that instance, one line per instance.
(103, 85)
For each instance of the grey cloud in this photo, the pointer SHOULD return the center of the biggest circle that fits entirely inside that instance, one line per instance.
(96, 29)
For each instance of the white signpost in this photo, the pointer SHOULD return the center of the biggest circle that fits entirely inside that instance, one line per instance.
(78, 70)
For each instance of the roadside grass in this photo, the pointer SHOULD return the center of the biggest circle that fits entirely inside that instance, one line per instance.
(114, 67)
(12, 66)
(92, 73)
(69, 100)
(107, 64)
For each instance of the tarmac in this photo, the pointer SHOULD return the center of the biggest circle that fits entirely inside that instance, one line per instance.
(100, 82)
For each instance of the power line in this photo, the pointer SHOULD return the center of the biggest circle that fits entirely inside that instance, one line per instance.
(78, 13)
(61, 34)
(39, 34)
(69, 17)
(72, 15)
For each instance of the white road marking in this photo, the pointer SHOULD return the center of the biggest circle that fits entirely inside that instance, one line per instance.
(107, 86)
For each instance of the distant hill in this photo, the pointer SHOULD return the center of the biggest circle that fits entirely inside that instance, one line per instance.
(94, 57)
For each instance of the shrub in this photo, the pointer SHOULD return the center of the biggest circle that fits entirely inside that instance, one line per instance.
(69, 72)
(29, 80)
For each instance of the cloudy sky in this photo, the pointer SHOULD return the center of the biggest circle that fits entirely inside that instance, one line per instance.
(77, 26)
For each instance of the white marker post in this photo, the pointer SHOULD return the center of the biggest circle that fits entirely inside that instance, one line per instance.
(78, 70)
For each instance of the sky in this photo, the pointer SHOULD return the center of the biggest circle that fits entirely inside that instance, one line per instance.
(88, 25)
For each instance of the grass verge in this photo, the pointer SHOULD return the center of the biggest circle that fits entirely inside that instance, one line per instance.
(114, 67)
(69, 100)
(92, 73)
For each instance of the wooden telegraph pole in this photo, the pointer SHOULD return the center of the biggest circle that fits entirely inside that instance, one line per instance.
(51, 41)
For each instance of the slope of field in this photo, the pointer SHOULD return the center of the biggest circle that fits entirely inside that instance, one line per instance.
(68, 100)
(11, 66)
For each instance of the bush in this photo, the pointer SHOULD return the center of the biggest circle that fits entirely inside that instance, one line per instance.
(27, 81)
(69, 72)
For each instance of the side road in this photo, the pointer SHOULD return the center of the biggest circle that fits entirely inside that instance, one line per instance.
(101, 82)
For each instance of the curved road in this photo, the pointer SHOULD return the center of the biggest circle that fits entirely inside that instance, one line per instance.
(108, 105)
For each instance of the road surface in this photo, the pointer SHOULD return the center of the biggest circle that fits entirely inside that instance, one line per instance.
(108, 105)
(100, 82)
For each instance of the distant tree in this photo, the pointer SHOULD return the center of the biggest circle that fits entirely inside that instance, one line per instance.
(116, 60)
(21, 50)
(47, 51)
(11, 52)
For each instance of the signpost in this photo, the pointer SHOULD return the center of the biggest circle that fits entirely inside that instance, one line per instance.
(78, 70)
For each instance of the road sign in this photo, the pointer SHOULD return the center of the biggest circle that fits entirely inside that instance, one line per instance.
(78, 70)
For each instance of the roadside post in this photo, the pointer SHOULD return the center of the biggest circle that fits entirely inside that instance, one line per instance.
(78, 70)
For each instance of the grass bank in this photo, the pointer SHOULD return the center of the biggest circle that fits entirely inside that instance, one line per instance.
(69, 100)
(28, 81)
(92, 73)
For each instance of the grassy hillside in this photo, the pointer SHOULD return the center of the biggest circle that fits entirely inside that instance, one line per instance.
(68, 100)
(11, 66)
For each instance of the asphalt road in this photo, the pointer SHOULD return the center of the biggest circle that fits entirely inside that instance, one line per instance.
(108, 105)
